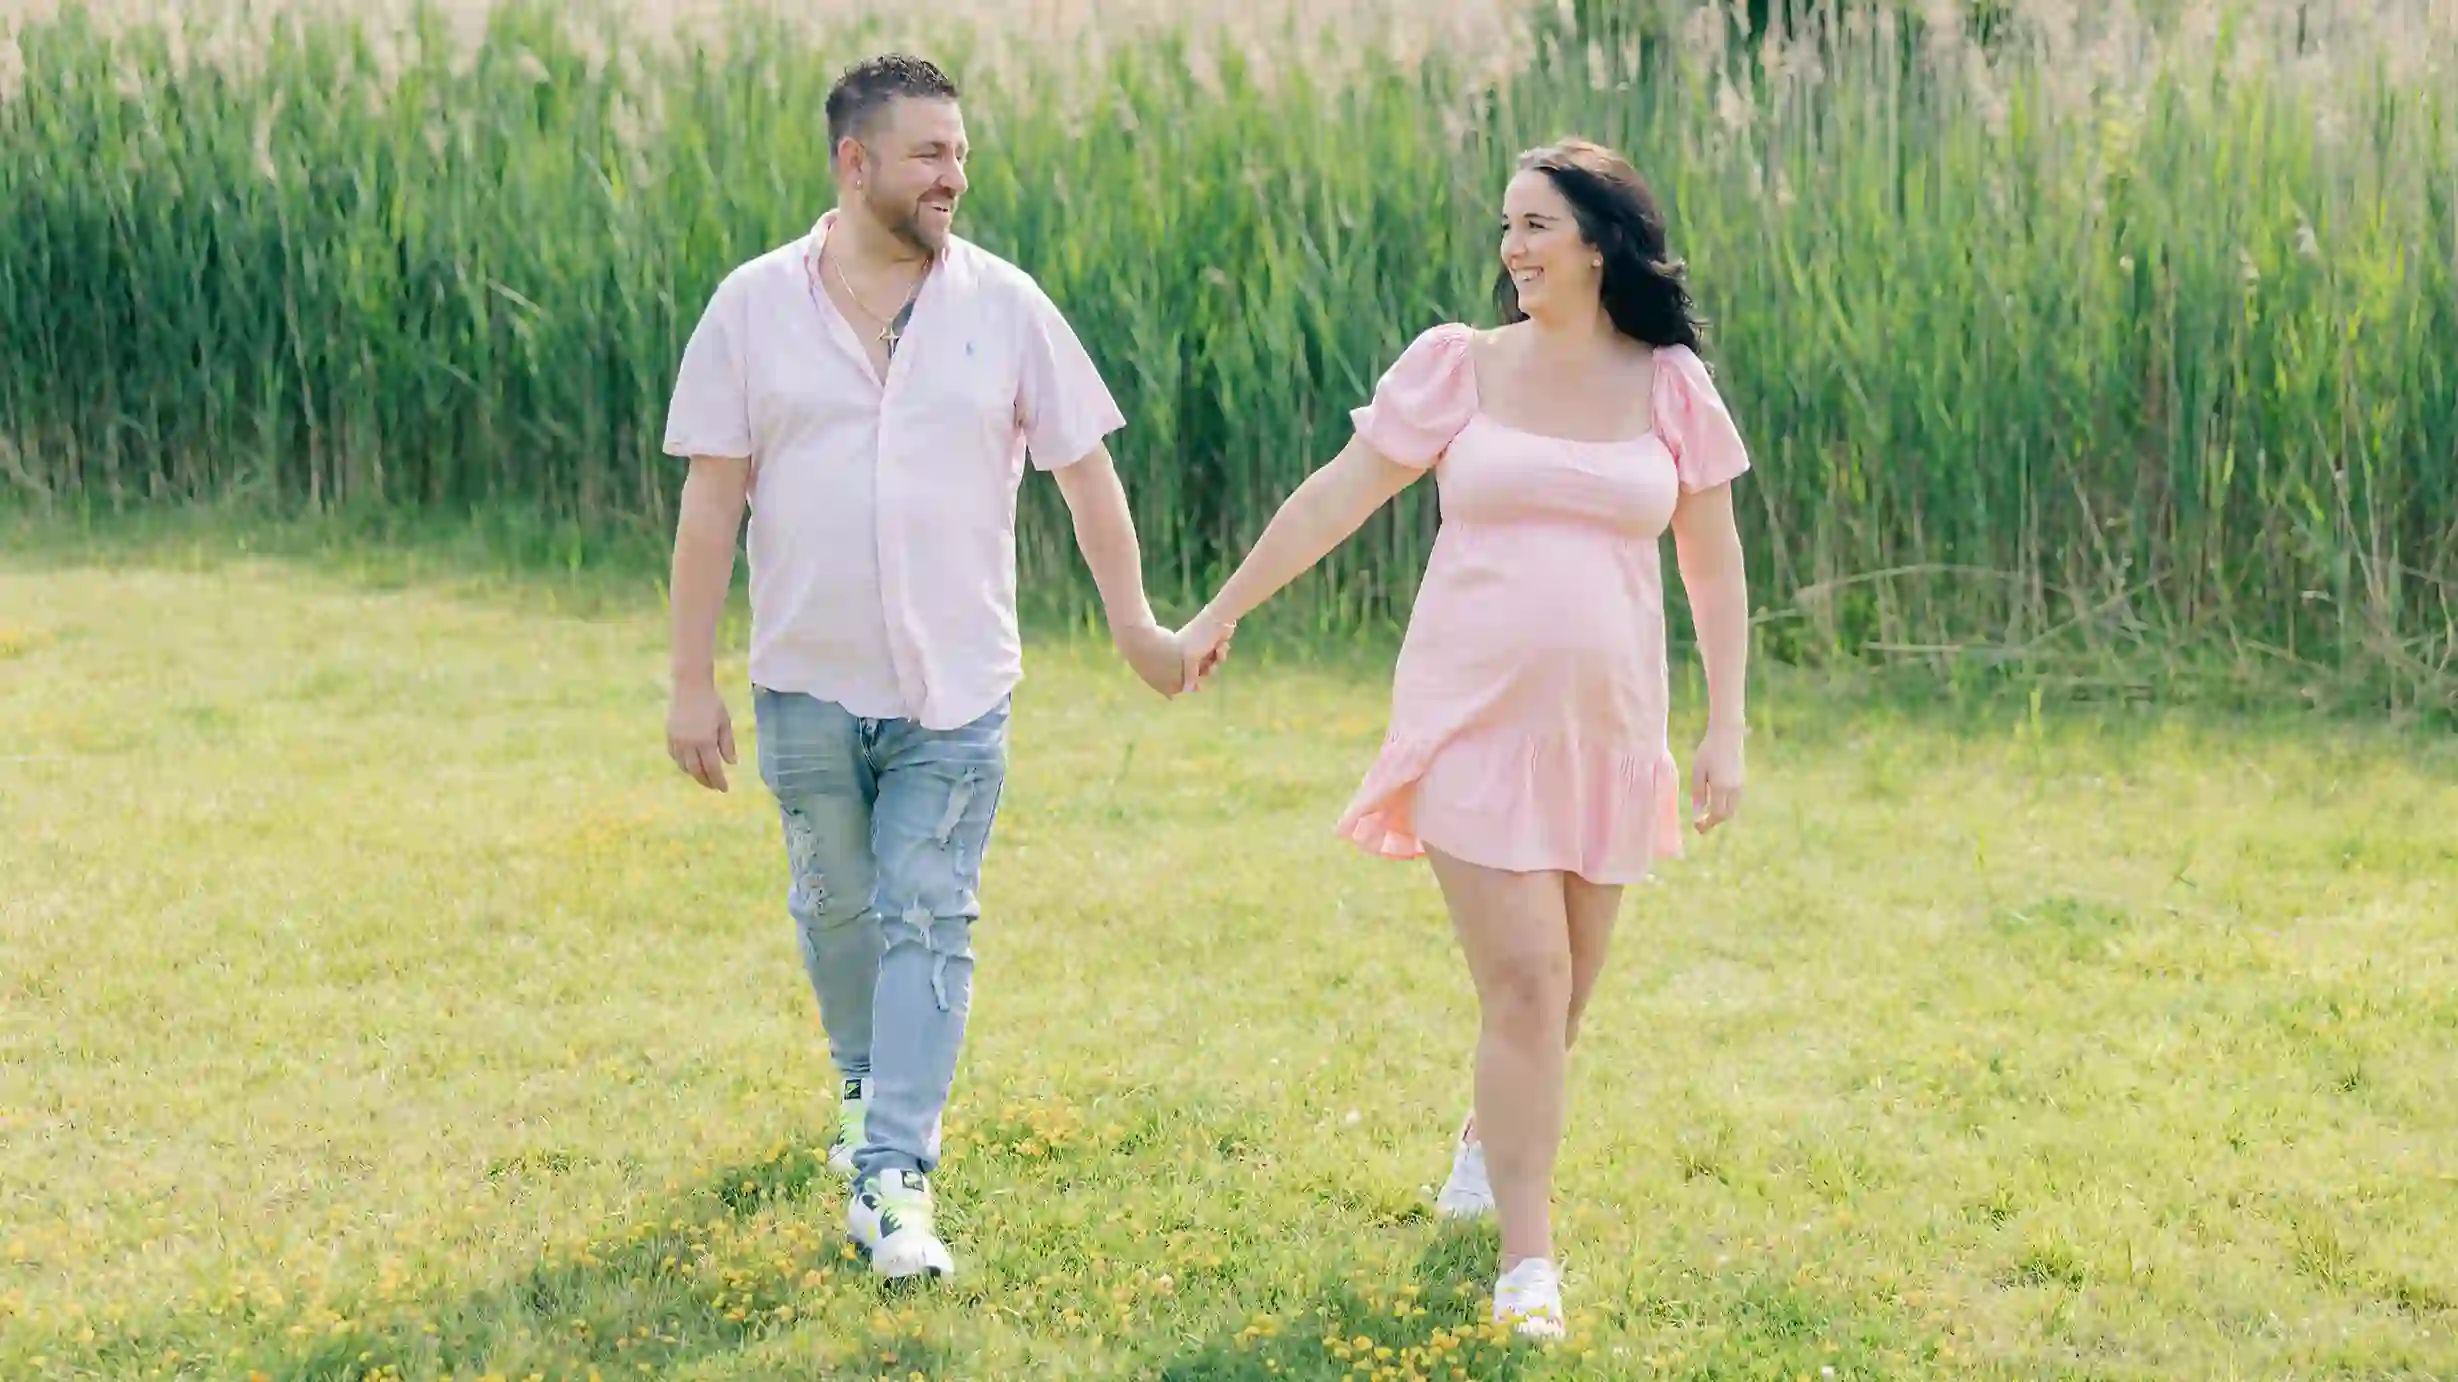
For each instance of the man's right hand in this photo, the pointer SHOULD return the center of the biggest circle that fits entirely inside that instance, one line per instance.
(700, 735)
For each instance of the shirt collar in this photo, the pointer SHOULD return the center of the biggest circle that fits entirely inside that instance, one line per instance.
(819, 238)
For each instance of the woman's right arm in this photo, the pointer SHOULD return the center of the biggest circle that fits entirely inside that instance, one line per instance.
(1420, 403)
(1322, 513)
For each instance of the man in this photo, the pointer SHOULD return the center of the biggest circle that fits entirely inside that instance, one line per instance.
(871, 391)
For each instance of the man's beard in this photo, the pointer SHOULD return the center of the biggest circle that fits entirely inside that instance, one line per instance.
(907, 225)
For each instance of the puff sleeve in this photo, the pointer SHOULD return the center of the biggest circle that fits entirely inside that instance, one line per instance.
(1692, 420)
(1423, 399)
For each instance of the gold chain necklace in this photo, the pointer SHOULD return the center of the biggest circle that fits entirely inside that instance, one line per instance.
(888, 334)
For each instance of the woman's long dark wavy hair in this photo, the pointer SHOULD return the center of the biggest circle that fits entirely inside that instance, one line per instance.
(1642, 288)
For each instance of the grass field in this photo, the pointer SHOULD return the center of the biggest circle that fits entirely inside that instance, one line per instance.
(375, 1000)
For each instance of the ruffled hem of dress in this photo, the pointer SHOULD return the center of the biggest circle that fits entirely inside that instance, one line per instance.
(1382, 817)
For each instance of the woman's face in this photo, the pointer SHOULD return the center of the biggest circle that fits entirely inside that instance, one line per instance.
(1548, 259)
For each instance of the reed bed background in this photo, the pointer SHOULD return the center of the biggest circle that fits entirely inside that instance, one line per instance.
(2116, 346)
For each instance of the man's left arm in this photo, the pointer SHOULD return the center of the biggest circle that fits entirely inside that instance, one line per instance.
(1105, 534)
(1066, 411)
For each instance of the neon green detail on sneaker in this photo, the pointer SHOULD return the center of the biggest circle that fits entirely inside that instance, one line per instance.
(849, 1131)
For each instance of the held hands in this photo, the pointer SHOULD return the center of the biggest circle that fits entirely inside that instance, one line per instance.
(1715, 779)
(1152, 651)
(1201, 646)
(1173, 663)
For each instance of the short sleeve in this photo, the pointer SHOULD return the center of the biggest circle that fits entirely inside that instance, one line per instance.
(1691, 418)
(1065, 407)
(710, 413)
(1424, 399)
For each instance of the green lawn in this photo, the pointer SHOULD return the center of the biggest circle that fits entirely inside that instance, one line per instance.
(375, 997)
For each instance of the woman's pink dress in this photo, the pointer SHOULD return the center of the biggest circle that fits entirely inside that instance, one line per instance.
(1528, 709)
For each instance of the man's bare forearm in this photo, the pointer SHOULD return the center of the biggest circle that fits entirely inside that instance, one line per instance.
(703, 567)
(1105, 534)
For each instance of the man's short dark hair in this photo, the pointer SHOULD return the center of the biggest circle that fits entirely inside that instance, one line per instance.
(868, 86)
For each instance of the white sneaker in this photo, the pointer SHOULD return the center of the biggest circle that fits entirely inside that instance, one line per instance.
(851, 1132)
(849, 1127)
(891, 1220)
(1467, 1194)
(1529, 1296)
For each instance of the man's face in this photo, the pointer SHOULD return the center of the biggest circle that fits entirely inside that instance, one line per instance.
(911, 169)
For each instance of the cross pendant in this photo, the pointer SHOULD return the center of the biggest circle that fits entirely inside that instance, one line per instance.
(887, 337)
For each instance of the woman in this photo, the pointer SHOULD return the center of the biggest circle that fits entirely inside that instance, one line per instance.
(1527, 758)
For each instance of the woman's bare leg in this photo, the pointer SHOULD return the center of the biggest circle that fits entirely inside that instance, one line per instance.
(1515, 933)
(1591, 908)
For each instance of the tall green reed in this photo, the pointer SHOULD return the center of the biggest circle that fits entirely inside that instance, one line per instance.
(2117, 347)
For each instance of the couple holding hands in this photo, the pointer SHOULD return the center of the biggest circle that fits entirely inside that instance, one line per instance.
(870, 392)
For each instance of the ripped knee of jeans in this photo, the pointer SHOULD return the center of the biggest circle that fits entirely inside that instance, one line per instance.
(945, 939)
(959, 800)
(802, 849)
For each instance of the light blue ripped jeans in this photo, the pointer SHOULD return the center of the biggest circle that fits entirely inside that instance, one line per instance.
(886, 823)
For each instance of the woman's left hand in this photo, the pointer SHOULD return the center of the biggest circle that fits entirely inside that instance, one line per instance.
(1715, 779)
